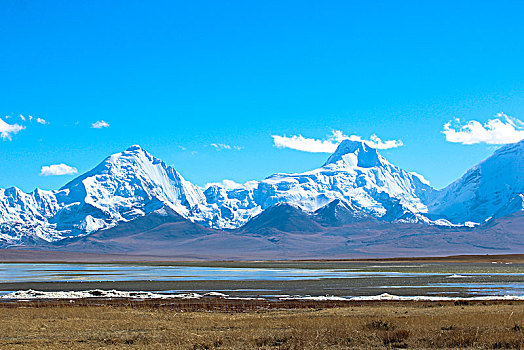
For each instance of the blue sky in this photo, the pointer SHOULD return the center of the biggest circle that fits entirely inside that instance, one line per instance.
(178, 77)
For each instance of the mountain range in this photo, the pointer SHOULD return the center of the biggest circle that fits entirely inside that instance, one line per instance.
(355, 203)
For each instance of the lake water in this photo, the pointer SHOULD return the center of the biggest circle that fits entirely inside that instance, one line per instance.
(119, 272)
(346, 279)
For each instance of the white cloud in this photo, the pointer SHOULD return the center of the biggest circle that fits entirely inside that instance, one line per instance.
(330, 144)
(500, 130)
(41, 121)
(301, 143)
(57, 169)
(22, 117)
(100, 124)
(8, 130)
(227, 184)
(375, 142)
(223, 146)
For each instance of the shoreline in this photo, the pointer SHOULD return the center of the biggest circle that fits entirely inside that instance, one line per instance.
(48, 256)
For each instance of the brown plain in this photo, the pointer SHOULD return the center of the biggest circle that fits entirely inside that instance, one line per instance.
(234, 324)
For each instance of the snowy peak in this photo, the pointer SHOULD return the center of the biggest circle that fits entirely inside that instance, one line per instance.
(485, 189)
(355, 172)
(356, 154)
(124, 186)
(119, 164)
(135, 148)
(512, 150)
(356, 184)
(135, 174)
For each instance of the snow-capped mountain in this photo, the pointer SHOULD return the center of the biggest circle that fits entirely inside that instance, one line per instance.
(356, 184)
(491, 189)
(24, 216)
(124, 186)
(355, 173)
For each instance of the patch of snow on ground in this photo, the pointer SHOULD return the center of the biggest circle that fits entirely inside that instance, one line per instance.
(391, 297)
(110, 294)
(96, 293)
(458, 276)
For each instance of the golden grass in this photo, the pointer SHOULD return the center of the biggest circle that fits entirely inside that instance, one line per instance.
(100, 324)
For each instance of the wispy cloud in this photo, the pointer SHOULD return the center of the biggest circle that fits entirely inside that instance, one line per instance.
(500, 130)
(223, 146)
(8, 130)
(41, 121)
(30, 118)
(330, 143)
(100, 124)
(57, 169)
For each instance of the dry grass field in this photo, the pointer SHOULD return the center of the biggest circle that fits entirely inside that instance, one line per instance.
(220, 324)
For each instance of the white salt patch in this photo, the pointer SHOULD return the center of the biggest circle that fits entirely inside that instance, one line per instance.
(318, 298)
(216, 294)
(387, 296)
(96, 293)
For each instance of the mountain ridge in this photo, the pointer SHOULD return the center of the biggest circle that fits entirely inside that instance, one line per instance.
(484, 189)
(133, 183)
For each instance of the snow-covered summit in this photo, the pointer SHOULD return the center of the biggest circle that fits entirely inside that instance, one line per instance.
(356, 153)
(355, 172)
(122, 187)
(485, 189)
(134, 179)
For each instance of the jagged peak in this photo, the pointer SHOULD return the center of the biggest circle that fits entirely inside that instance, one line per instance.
(13, 191)
(134, 148)
(356, 153)
(129, 162)
(134, 154)
(134, 151)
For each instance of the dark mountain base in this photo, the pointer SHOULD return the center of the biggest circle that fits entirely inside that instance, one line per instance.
(173, 237)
